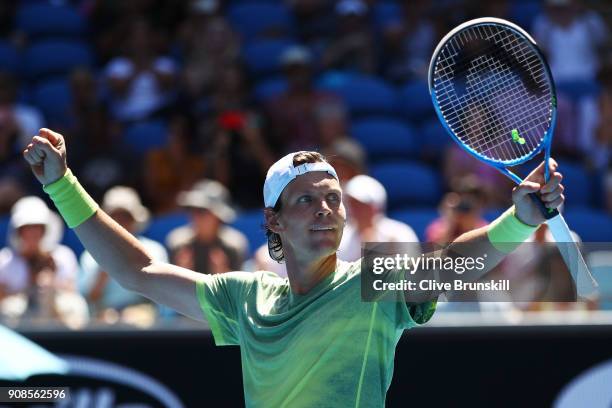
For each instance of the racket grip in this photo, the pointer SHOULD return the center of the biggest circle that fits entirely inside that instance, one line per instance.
(548, 213)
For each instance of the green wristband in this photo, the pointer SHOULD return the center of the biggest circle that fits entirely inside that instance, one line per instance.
(71, 199)
(507, 232)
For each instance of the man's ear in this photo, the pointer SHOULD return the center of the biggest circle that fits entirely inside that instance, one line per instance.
(272, 220)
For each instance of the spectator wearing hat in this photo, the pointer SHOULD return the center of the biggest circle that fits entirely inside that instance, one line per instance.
(208, 44)
(105, 295)
(292, 114)
(207, 245)
(38, 276)
(367, 222)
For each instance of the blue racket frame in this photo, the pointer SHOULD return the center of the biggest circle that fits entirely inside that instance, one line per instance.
(546, 141)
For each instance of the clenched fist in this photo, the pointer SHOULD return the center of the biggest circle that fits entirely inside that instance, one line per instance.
(46, 155)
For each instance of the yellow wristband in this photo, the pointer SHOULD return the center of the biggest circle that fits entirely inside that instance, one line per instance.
(508, 232)
(71, 199)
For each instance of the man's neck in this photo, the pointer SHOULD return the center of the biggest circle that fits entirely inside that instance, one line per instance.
(305, 275)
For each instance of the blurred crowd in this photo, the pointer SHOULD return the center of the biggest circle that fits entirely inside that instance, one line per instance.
(174, 110)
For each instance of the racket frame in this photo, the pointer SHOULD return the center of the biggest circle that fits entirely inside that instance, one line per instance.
(546, 140)
(586, 285)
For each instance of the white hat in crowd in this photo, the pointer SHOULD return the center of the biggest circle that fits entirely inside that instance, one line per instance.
(367, 190)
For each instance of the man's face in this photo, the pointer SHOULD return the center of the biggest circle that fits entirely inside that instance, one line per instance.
(312, 217)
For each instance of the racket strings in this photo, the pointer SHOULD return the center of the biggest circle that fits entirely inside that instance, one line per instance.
(497, 95)
(493, 65)
(500, 84)
(481, 117)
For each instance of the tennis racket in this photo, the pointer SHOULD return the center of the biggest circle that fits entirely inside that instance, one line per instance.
(493, 92)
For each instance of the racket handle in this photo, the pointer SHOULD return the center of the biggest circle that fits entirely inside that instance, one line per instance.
(548, 213)
(586, 285)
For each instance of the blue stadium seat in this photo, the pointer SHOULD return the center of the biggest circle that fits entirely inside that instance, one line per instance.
(71, 240)
(160, 226)
(523, 13)
(492, 214)
(4, 226)
(590, 224)
(578, 184)
(256, 19)
(384, 138)
(250, 224)
(414, 102)
(385, 13)
(144, 136)
(408, 184)
(270, 88)
(418, 218)
(38, 20)
(53, 98)
(363, 94)
(432, 139)
(262, 57)
(55, 57)
(577, 90)
(9, 58)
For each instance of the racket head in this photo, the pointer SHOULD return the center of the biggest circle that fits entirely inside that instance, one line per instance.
(491, 87)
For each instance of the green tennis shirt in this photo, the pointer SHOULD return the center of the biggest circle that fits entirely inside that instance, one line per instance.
(323, 349)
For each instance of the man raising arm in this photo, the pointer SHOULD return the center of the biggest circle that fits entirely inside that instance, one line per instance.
(307, 341)
(116, 250)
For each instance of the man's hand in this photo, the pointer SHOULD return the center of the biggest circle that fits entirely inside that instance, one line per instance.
(46, 155)
(551, 194)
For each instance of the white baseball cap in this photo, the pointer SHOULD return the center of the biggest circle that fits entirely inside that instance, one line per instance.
(283, 172)
(32, 210)
(126, 198)
(367, 190)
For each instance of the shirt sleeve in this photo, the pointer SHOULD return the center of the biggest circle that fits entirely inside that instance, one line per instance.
(220, 297)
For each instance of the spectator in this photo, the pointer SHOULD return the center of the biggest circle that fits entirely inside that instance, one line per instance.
(107, 298)
(457, 164)
(241, 156)
(348, 158)
(141, 82)
(366, 200)
(173, 168)
(408, 44)
(208, 46)
(314, 20)
(332, 123)
(601, 156)
(292, 114)
(37, 275)
(572, 37)
(18, 121)
(460, 212)
(207, 245)
(232, 139)
(352, 48)
(100, 158)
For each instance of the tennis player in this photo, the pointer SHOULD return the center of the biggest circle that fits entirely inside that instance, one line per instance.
(308, 341)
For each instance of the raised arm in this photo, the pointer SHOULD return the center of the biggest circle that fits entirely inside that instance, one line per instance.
(506, 233)
(116, 250)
